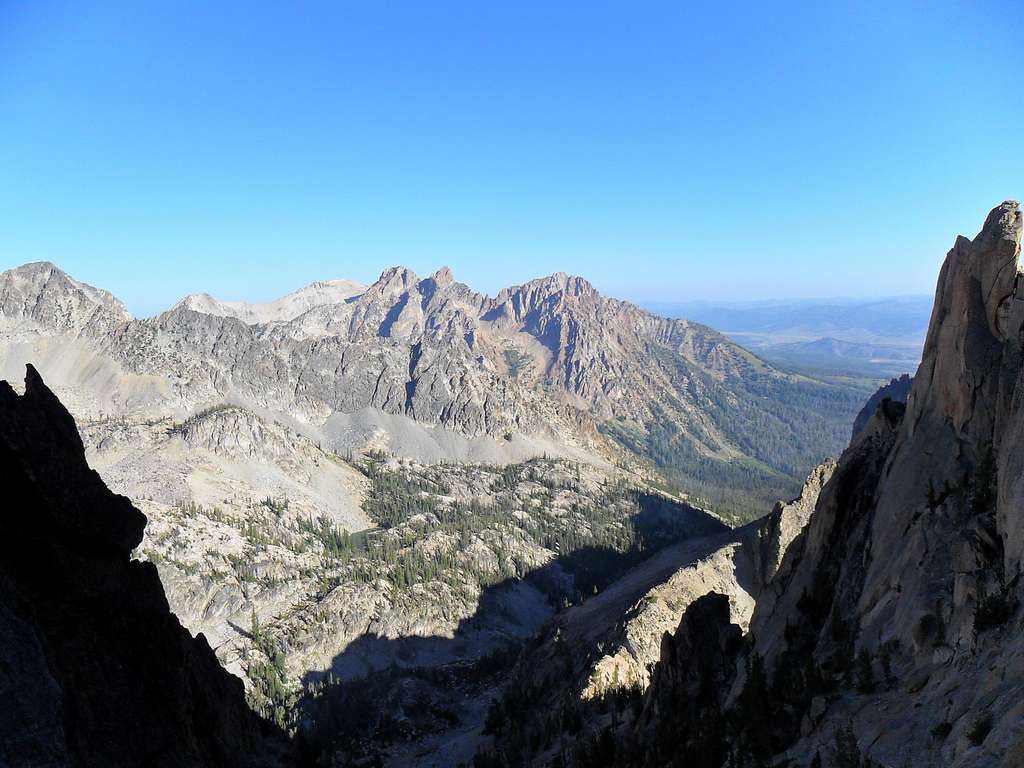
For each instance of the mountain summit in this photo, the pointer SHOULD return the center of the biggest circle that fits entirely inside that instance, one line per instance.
(551, 360)
(41, 295)
(280, 310)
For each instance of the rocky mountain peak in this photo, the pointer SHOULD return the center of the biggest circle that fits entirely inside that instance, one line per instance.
(443, 277)
(395, 280)
(561, 282)
(975, 327)
(45, 268)
(200, 302)
(41, 294)
(322, 293)
(1002, 228)
(540, 300)
(996, 252)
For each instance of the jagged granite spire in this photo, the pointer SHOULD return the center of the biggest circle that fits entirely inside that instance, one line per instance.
(923, 524)
(893, 623)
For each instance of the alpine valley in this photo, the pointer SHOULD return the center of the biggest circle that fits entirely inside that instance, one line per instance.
(430, 527)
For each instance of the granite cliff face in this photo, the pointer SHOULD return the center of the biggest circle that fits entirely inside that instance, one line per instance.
(892, 628)
(96, 670)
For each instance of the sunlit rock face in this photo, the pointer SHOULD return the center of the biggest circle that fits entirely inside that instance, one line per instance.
(916, 543)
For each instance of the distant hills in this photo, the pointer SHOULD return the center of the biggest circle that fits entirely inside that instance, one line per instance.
(872, 337)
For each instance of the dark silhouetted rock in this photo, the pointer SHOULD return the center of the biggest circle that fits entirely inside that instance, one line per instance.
(95, 670)
(897, 390)
(680, 716)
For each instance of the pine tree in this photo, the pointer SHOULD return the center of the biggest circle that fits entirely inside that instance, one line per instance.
(865, 672)
(846, 751)
(752, 707)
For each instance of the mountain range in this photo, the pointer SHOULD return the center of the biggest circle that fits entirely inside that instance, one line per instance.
(429, 369)
(559, 610)
(316, 467)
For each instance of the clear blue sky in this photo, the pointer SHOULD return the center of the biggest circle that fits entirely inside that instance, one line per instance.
(664, 150)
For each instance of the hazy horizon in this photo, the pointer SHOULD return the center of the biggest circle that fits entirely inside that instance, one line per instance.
(140, 308)
(247, 151)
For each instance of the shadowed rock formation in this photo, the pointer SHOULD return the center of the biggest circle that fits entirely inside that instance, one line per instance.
(891, 631)
(95, 670)
(897, 390)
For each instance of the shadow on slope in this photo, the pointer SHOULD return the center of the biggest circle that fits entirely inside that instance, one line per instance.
(382, 691)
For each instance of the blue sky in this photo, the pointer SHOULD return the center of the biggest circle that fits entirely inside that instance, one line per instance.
(667, 151)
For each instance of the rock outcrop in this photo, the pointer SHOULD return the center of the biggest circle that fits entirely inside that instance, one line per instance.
(697, 662)
(738, 564)
(95, 670)
(892, 628)
(898, 390)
